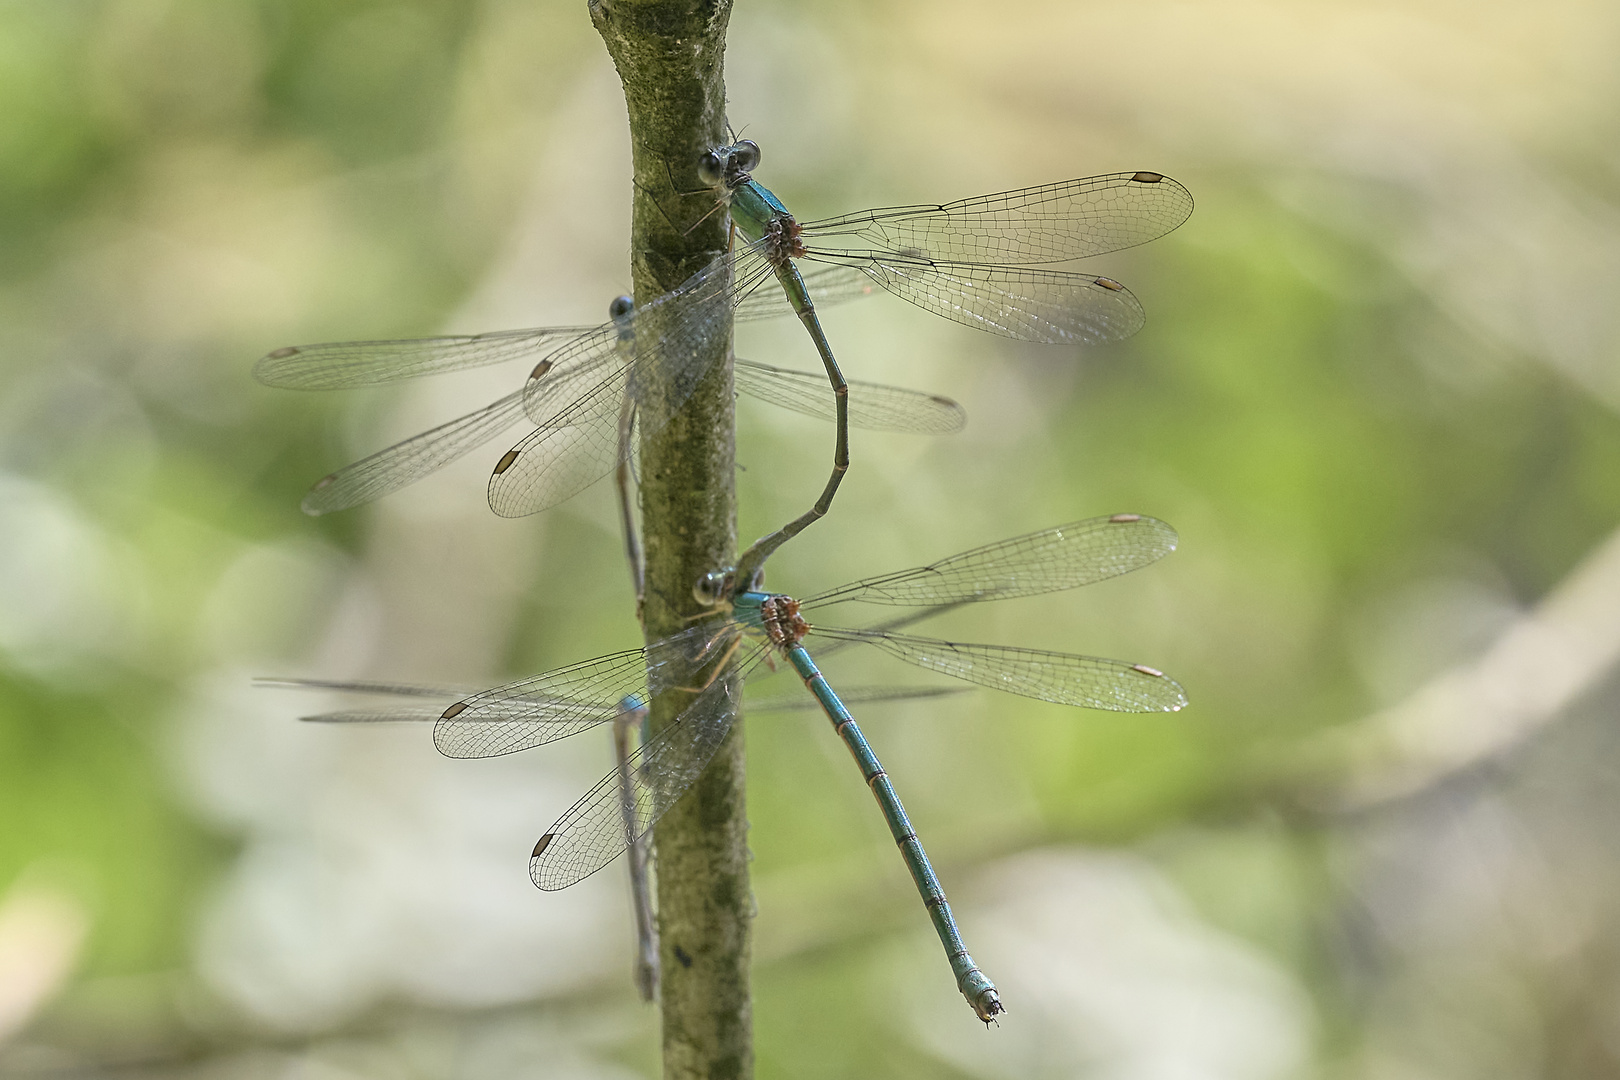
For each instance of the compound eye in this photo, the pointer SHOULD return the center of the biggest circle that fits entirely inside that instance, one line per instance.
(710, 587)
(621, 306)
(745, 155)
(710, 168)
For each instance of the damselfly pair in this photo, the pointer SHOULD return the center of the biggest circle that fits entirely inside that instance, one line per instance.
(973, 261)
(708, 660)
(978, 261)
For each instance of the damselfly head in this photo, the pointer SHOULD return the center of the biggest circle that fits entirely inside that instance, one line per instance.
(745, 156)
(711, 168)
(621, 306)
(712, 587)
(728, 165)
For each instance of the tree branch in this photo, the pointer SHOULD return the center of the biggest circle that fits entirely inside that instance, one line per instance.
(670, 56)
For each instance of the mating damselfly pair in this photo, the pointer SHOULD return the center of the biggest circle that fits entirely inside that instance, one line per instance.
(707, 661)
(978, 262)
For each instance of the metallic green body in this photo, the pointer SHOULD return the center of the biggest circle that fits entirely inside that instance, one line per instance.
(754, 207)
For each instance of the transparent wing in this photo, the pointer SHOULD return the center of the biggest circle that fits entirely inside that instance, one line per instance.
(397, 713)
(678, 337)
(346, 364)
(551, 706)
(1086, 681)
(535, 717)
(547, 397)
(856, 695)
(422, 714)
(408, 461)
(871, 405)
(542, 708)
(666, 343)
(1051, 223)
(1048, 306)
(819, 647)
(750, 264)
(1051, 560)
(348, 686)
(659, 355)
(557, 461)
(597, 827)
(570, 372)
(827, 284)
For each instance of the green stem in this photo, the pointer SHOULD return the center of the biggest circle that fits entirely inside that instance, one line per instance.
(670, 54)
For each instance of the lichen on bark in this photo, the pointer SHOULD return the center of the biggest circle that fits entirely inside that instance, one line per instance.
(670, 57)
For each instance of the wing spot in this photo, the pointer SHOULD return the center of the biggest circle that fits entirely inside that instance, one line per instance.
(540, 369)
(506, 461)
(1123, 519)
(1148, 177)
(283, 353)
(454, 711)
(1144, 669)
(324, 482)
(542, 845)
(1110, 284)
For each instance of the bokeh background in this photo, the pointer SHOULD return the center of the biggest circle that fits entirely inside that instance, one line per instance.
(1377, 395)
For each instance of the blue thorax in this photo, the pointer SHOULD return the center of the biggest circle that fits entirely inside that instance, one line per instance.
(747, 608)
(753, 208)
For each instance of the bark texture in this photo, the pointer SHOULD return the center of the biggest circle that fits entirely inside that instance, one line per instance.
(670, 58)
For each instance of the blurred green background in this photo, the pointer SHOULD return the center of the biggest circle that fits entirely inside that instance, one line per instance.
(1377, 395)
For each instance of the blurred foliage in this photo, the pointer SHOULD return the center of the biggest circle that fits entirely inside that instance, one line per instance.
(1376, 395)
